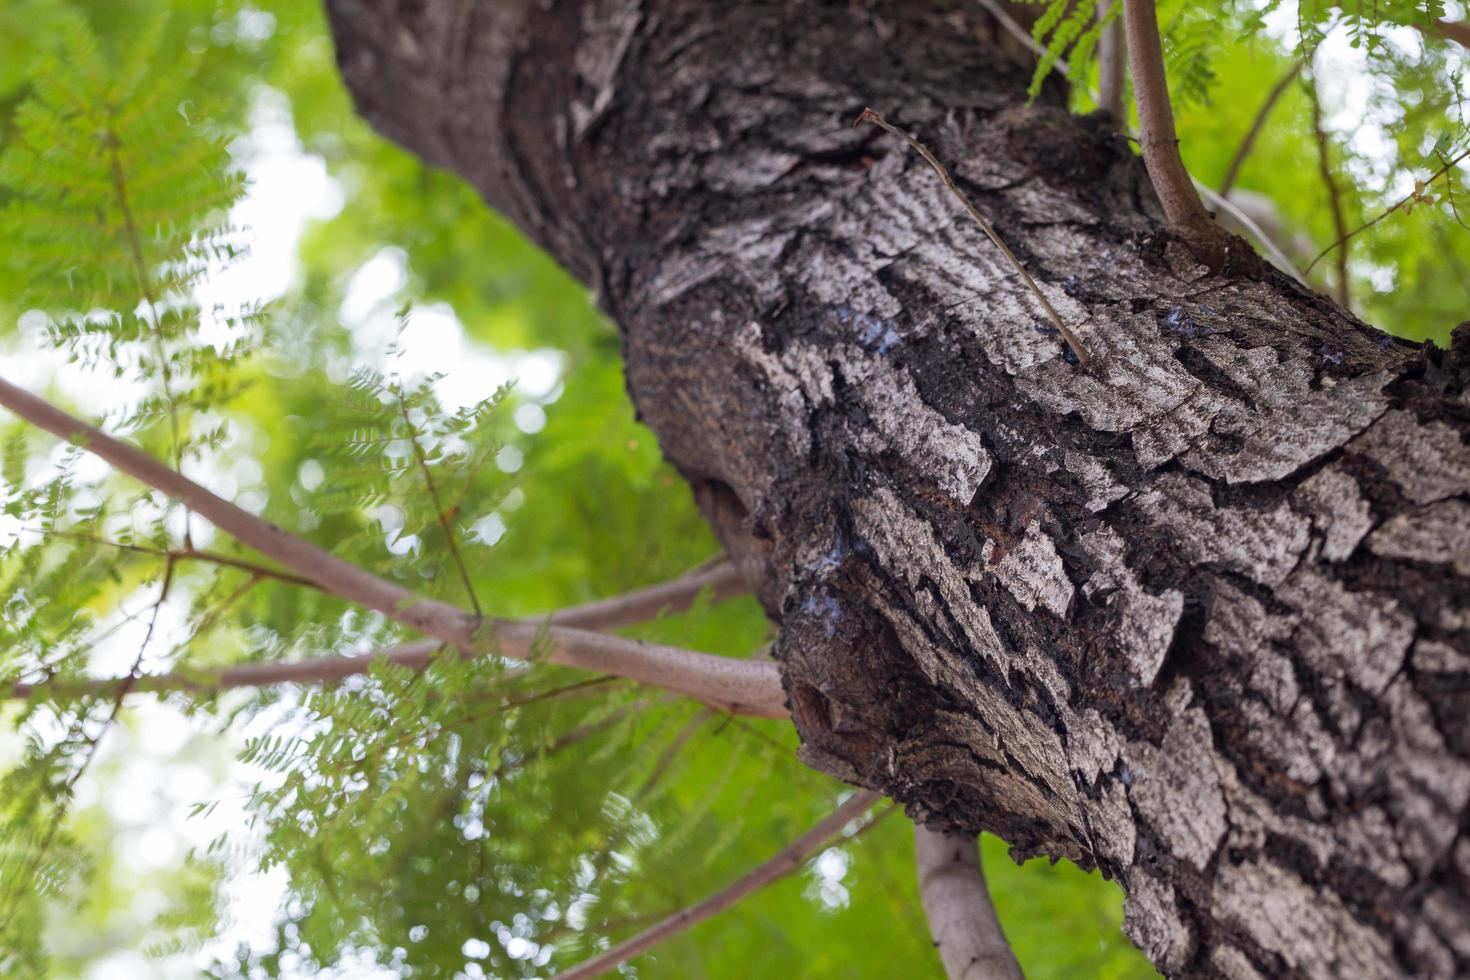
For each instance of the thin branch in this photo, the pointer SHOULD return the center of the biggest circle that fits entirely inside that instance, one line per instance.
(91, 742)
(1112, 61)
(961, 916)
(609, 613)
(1334, 194)
(1415, 195)
(790, 858)
(1003, 17)
(439, 512)
(1217, 200)
(868, 115)
(321, 670)
(1183, 209)
(722, 579)
(140, 268)
(187, 554)
(671, 752)
(1248, 141)
(740, 686)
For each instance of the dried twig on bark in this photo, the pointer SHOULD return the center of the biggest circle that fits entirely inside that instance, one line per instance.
(868, 115)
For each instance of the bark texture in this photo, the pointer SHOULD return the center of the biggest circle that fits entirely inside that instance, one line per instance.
(1198, 615)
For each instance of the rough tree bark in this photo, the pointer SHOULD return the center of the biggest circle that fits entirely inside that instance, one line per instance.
(1198, 615)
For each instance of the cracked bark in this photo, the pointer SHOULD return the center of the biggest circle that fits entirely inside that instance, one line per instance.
(1198, 615)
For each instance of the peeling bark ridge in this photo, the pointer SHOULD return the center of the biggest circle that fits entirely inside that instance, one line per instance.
(1197, 613)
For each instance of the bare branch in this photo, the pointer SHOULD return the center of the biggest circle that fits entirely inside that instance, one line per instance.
(957, 903)
(1334, 194)
(316, 671)
(1249, 224)
(1248, 141)
(740, 686)
(609, 613)
(1112, 60)
(1008, 23)
(187, 554)
(1183, 210)
(868, 115)
(722, 579)
(1417, 194)
(783, 863)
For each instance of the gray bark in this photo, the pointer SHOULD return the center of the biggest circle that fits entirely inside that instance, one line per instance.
(1198, 615)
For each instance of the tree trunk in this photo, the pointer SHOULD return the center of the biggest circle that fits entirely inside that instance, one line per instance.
(1198, 614)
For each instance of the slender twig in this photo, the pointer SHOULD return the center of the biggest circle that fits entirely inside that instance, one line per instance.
(790, 858)
(91, 742)
(1248, 141)
(1414, 195)
(1334, 194)
(961, 916)
(869, 116)
(722, 579)
(1112, 62)
(381, 747)
(140, 268)
(1183, 210)
(440, 514)
(1249, 224)
(567, 739)
(186, 554)
(1003, 17)
(742, 686)
(661, 767)
(1450, 251)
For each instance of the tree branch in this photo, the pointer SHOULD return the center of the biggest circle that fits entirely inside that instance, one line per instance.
(957, 903)
(1112, 60)
(188, 553)
(1183, 210)
(783, 863)
(1416, 195)
(1235, 211)
(1008, 23)
(1248, 141)
(722, 579)
(741, 686)
(610, 613)
(1334, 194)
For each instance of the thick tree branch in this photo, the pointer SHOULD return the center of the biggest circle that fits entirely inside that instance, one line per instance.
(1198, 615)
(791, 857)
(957, 902)
(742, 686)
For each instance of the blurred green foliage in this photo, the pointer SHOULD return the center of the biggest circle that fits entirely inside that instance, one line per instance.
(465, 819)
